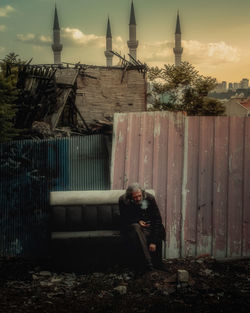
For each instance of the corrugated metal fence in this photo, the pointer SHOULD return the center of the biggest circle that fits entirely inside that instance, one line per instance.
(199, 168)
(29, 171)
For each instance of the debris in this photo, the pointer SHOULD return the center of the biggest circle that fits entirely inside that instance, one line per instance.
(200, 261)
(208, 272)
(45, 273)
(183, 276)
(26, 287)
(121, 289)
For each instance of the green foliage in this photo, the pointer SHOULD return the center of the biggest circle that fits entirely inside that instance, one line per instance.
(8, 96)
(187, 90)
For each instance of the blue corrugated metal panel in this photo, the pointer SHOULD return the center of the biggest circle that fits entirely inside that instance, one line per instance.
(29, 170)
(88, 165)
(58, 162)
(23, 197)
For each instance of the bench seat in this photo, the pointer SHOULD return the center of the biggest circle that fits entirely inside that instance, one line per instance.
(85, 234)
(85, 229)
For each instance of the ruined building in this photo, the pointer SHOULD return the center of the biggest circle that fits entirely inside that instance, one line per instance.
(80, 96)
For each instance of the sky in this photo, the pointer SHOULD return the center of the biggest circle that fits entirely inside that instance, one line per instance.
(215, 33)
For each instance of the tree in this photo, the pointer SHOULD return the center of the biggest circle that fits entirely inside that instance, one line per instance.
(186, 90)
(8, 96)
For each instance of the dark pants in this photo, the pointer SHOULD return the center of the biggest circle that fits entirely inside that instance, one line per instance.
(138, 240)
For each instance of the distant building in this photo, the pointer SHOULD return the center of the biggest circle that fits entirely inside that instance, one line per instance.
(230, 86)
(224, 85)
(221, 87)
(236, 86)
(244, 83)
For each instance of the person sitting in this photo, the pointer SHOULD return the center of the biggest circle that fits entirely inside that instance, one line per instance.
(141, 225)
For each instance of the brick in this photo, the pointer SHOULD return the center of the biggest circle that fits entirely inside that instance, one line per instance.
(97, 98)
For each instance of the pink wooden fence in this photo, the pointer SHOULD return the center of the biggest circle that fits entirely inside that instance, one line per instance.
(199, 168)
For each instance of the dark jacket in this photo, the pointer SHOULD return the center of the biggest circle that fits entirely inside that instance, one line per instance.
(131, 212)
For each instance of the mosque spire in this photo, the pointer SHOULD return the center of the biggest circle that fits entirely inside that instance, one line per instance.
(56, 46)
(108, 34)
(109, 55)
(178, 25)
(132, 15)
(56, 21)
(132, 42)
(178, 49)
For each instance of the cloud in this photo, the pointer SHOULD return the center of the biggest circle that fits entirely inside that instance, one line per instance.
(6, 10)
(195, 52)
(119, 45)
(160, 51)
(26, 38)
(2, 28)
(39, 40)
(74, 36)
(210, 53)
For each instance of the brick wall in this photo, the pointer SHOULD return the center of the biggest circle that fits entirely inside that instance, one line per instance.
(101, 97)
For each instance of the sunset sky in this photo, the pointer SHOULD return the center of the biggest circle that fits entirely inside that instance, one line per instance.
(215, 33)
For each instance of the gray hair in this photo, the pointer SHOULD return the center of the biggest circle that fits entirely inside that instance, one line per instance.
(132, 188)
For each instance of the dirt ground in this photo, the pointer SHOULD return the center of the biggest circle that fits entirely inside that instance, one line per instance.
(211, 286)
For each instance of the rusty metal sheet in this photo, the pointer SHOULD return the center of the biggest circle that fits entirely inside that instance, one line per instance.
(161, 130)
(146, 150)
(246, 191)
(199, 168)
(235, 185)
(190, 189)
(119, 153)
(220, 185)
(205, 189)
(173, 186)
(132, 153)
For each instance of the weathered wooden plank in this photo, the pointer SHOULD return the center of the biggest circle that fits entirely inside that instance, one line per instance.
(63, 76)
(160, 160)
(174, 186)
(205, 183)
(160, 163)
(246, 193)
(133, 148)
(118, 179)
(146, 150)
(235, 186)
(190, 171)
(220, 188)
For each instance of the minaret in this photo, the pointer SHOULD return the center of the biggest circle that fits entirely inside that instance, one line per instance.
(132, 42)
(178, 49)
(56, 46)
(107, 53)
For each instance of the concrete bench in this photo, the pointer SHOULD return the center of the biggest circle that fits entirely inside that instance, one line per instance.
(85, 229)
